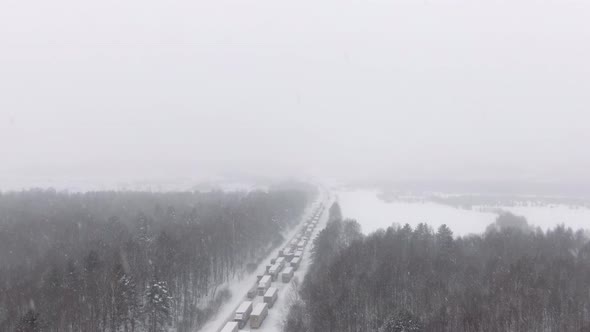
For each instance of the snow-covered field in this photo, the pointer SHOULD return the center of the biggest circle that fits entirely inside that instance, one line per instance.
(373, 213)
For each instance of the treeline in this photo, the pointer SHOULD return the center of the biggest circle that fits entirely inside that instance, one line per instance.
(489, 201)
(479, 201)
(130, 261)
(511, 278)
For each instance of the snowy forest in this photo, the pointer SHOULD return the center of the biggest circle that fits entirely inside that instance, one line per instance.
(131, 261)
(511, 278)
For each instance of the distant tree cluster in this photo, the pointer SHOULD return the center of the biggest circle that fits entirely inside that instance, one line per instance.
(474, 201)
(511, 278)
(130, 261)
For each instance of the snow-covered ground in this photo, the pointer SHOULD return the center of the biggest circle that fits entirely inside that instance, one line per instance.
(373, 213)
(239, 288)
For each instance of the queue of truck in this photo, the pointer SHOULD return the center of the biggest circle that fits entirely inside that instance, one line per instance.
(281, 268)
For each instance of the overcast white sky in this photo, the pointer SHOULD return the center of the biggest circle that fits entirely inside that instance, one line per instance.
(434, 89)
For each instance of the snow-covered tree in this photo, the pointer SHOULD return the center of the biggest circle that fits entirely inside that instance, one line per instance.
(30, 322)
(157, 306)
(85, 260)
(125, 306)
(402, 321)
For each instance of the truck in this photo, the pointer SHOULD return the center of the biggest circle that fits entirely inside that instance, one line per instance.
(264, 284)
(280, 261)
(271, 296)
(243, 313)
(230, 327)
(252, 292)
(274, 271)
(287, 274)
(258, 315)
(289, 255)
(298, 253)
(295, 262)
(301, 245)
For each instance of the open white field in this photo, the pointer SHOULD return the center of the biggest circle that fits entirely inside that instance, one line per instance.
(373, 213)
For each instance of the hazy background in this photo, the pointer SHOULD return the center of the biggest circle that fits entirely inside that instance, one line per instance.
(351, 90)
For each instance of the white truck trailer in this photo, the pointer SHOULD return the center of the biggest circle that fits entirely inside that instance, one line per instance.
(274, 271)
(289, 255)
(301, 245)
(243, 313)
(264, 284)
(280, 261)
(295, 262)
(258, 315)
(252, 292)
(271, 296)
(287, 274)
(230, 327)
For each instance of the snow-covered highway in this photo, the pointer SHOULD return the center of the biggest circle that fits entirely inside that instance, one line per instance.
(240, 288)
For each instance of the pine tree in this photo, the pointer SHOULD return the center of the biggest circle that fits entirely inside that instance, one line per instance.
(444, 244)
(73, 288)
(402, 321)
(30, 322)
(92, 292)
(131, 301)
(335, 212)
(125, 300)
(157, 306)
